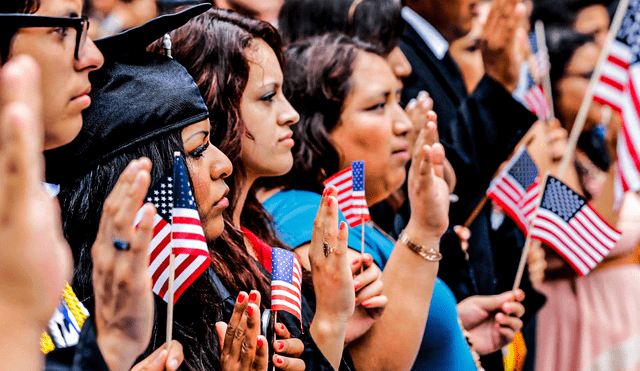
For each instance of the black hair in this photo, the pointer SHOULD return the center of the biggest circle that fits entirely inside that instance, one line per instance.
(373, 21)
(561, 13)
(562, 43)
(7, 32)
(82, 200)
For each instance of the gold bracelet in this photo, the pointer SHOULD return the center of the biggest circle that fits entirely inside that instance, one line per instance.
(428, 253)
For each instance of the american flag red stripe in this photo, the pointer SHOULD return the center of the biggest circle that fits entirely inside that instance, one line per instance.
(286, 281)
(174, 202)
(516, 189)
(615, 76)
(352, 202)
(567, 223)
(537, 102)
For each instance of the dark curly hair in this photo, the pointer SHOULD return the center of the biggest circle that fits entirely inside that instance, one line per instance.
(318, 81)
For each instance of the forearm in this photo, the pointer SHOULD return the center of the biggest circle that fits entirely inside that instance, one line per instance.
(328, 334)
(393, 341)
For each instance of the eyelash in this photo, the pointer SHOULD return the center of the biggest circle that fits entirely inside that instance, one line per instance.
(268, 97)
(62, 31)
(198, 152)
(376, 106)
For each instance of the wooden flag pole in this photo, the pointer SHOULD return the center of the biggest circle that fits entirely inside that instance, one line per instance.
(529, 241)
(362, 248)
(588, 97)
(172, 276)
(546, 79)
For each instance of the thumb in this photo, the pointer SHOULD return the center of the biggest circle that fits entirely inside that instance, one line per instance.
(492, 303)
(221, 329)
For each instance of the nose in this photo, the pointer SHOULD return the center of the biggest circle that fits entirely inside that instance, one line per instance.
(399, 63)
(221, 166)
(401, 123)
(91, 59)
(288, 116)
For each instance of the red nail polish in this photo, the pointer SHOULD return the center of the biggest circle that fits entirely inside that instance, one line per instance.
(279, 345)
(250, 311)
(343, 225)
(356, 286)
(242, 297)
(260, 343)
(356, 301)
(366, 304)
(253, 297)
(355, 262)
(329, 201)
(279, 360)
(282, 327)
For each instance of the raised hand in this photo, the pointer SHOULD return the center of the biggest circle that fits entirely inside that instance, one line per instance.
(162, 360)
(243, 348)
(428, 191)
(35, 259)
(370, 302)
(492, 321)
(288, 350)
(499, 41)
(124, 300)
(332, 279)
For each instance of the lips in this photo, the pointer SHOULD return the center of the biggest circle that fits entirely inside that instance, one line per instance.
(289, 135)
(85, 92)
(223, 201)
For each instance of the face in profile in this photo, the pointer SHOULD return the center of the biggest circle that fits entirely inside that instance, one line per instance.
(593, 20)
(452, 18)
(373, 127)
(65, 80)
(207, 167)
(572, 87)
(266, 148)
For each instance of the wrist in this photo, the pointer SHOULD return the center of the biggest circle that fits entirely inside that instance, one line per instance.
(423, 236)
(116, 352)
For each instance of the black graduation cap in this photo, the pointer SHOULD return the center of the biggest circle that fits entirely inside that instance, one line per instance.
(135, 96)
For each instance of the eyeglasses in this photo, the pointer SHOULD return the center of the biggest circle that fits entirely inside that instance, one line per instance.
(80, 24)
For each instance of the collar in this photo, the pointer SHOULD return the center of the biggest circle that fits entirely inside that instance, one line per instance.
(427, 32)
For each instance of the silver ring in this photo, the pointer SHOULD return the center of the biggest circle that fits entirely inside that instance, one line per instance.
(120, 244)
(327, 249)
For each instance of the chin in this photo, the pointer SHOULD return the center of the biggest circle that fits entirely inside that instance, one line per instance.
(213, 229)
(62, 132)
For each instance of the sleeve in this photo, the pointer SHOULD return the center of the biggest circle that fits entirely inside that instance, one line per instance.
(85, 356)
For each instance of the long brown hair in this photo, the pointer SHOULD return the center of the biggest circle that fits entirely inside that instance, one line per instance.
(213, 48)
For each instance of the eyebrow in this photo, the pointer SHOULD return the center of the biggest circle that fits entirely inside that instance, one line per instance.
(205, 133)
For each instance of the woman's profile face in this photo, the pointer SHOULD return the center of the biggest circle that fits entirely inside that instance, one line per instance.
(208, 167)
(373, 127)
(65, 80)
(572, 87)
(267, 114)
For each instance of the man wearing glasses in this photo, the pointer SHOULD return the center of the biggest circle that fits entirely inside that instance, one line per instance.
(52, 33)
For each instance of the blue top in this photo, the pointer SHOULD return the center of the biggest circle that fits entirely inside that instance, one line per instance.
(443, 346)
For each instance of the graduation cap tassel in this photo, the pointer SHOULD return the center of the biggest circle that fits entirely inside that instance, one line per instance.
(166, 45)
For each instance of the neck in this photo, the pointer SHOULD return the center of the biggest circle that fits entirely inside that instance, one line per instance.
(242, 199)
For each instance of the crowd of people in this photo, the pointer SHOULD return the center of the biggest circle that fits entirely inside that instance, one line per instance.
(265, 101)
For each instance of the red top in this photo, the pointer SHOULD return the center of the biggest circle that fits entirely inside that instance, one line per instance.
(262, 250)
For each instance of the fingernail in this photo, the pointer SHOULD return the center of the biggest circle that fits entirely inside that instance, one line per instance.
(343, 225)
(412, 103)
(324, 193)
(356, 301)
(160, 357)
(279, 345)
(279, 360)
(422, 95)
(250, 311)
(356, 286)
(253, 297)
(173, 365)
(366, 303)
(260, 342)
(329, 201)
(281, 327)
(355, 262)
(242, 297)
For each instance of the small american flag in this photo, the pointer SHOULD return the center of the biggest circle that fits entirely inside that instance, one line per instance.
(567, 223)
(618, 88)
(516, 188)
(173, 198)
(537, 102)
(286, 278)
(351, 196)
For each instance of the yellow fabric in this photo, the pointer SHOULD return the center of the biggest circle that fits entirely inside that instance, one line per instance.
(76, 309)
(515, 355)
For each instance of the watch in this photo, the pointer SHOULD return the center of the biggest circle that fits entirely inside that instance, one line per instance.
(428, 253)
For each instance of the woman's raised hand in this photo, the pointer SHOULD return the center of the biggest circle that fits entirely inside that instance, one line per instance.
(243, 348)
(428, 191)
(124, 300)
(287, 350)
(332, 279)
(370, 302)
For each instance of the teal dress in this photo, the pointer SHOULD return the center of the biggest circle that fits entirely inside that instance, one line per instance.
(443, 346)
